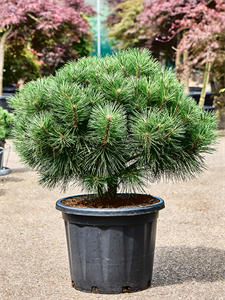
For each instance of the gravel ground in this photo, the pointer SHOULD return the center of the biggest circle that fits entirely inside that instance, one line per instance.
(190, 246)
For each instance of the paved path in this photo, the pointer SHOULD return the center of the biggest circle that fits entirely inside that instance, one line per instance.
(190, 248)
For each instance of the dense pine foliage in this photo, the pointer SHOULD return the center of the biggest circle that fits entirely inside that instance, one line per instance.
(111, 122)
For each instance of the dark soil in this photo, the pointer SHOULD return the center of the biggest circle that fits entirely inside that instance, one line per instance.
(122, 201)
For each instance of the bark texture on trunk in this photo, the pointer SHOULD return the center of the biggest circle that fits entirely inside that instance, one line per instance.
(178, 52)
(112, 190)
(2, 45)
(208, 66)
(186, 72)
(178, 58)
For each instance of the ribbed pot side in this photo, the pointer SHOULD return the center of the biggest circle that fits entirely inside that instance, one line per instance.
(2, 145)
(111, 250)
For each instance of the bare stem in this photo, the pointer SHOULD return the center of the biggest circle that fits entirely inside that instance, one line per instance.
(36, 105)
(163, 102)
(107, 130)
(112, 190)
(124, 71)
(2, 49)
(118, 95)
(178, 105)
(75, 117)
(169, 133)
(135, 90)
(149, 96)
(138, 72)
(44, 130)
(195, 143)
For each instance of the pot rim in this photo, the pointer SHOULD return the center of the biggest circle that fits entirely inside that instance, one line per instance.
(106, 212)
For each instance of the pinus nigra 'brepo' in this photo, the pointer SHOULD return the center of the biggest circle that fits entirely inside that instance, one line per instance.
(111, 123)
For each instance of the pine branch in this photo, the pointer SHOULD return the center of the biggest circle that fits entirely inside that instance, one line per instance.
(195, 144)
(175, 128)
(107, 130)
(45, 132)
(36, 105)
(177, 108)
(124, 71)
(75, 117)
(138, 72)
(118, 95)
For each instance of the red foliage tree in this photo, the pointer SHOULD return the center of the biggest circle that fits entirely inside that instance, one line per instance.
(51, 27)
(160, 22)
(204, 39)
(197, 26)
(112, 17)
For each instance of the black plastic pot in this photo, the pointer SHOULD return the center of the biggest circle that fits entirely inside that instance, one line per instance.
(10, 89)
(2, 145)
(208, 103)
(3, 101)
(111, 250)
(3, 170)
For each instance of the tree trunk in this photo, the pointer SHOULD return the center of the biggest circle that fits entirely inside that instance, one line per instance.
(178, 58)
(112, 190)
(208, 66)
(218, 111)
(186, 72)
(178, 63)
(178, 52)
(99, 192)
(2, 45)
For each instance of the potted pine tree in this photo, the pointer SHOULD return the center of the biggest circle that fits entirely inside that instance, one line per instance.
(113, 125)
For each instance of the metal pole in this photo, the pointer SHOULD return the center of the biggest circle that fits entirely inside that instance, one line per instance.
(98, 28)
(1, 157)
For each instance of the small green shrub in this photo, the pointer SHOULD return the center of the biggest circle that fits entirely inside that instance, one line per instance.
(6, 119)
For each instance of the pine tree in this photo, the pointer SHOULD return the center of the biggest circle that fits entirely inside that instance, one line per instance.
(112, 122)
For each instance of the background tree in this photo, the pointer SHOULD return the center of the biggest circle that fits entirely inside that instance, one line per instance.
(160, 22)
(218, 77)
(53, 28)
(123, 24)
(24, 65)
(152, 27)
(193, 28)
(112, 18)
(198, 27)
(204, 38)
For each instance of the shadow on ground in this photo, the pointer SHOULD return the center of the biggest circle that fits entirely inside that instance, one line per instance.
(174, 265)
(2, 192)
(20, 170)
(11, 178)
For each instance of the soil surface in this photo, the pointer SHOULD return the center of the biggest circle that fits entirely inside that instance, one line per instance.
(122, 201)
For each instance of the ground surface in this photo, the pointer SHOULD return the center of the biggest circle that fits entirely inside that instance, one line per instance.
(190, 247)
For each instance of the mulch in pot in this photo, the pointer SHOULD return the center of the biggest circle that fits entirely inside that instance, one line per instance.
(121, 201)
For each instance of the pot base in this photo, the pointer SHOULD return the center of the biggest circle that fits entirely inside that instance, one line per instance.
(121, 290)
(5, 171)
